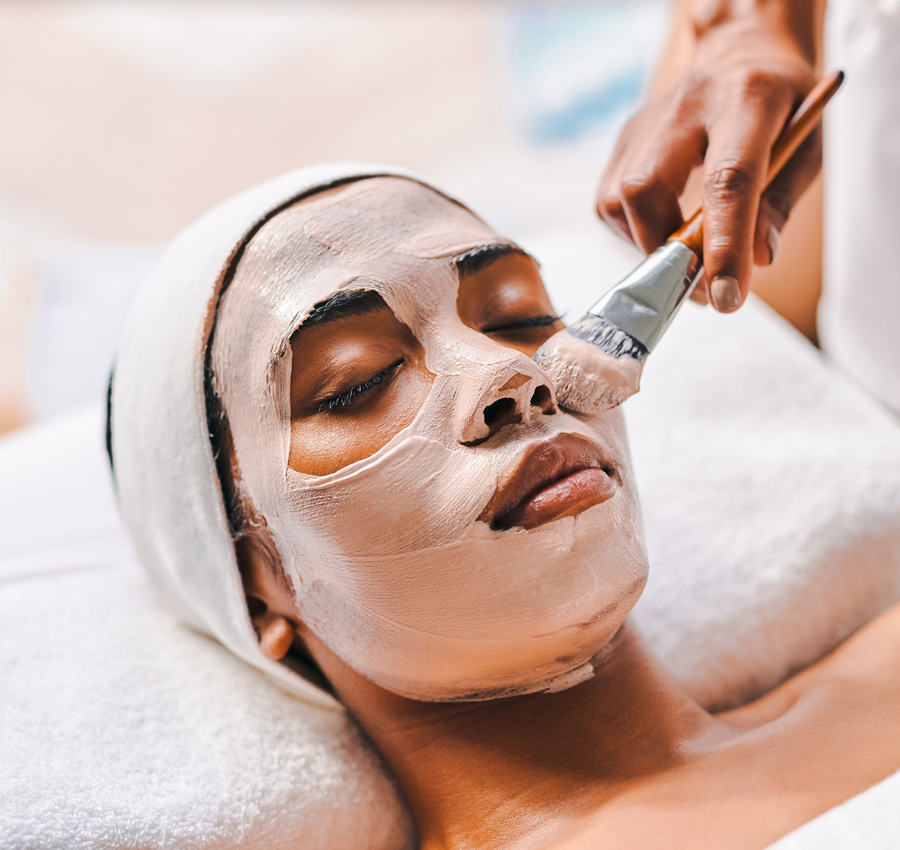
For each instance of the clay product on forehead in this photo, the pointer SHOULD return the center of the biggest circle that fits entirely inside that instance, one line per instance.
(392, 565)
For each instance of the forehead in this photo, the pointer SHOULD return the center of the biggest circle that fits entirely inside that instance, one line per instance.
(367, 219)
(395, 214)
(389, 234)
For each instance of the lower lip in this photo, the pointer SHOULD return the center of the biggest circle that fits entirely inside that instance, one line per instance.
(568, 496)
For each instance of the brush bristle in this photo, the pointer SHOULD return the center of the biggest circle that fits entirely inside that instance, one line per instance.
(607, 338)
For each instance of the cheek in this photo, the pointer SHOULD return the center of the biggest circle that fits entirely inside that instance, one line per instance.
(613, 422)
(609, 427)
(327, 442)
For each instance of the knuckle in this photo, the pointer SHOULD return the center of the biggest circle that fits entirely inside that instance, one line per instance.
(639, 190)
(770, 89)
(760, 83)
(685, 104)
(728, 179)
(610, 209)
(692, 85)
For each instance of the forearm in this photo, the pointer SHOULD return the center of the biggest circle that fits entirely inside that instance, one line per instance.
(800, 21)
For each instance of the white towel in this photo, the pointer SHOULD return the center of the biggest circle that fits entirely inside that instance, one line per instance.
(123, 728)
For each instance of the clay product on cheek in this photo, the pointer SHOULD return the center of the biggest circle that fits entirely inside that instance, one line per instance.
(391, 565)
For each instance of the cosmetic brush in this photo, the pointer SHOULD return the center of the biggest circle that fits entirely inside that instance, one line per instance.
(625, 325)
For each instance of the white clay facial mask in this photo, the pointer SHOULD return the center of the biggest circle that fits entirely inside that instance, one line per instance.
(394, 561)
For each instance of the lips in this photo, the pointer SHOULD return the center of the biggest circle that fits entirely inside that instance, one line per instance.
(561, 477)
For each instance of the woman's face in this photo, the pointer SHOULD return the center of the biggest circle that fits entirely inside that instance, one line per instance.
(449, 531)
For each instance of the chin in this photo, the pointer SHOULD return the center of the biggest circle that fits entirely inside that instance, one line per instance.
(500, 670)
(529, 613)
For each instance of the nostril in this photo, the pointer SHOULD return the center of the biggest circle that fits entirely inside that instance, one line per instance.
(500, 412)
(543, 399)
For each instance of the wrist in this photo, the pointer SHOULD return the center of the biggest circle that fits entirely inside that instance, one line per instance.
(797, 22)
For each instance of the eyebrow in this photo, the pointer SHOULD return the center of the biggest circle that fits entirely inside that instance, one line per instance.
(481, 257)
(341, 305)
(360, 302)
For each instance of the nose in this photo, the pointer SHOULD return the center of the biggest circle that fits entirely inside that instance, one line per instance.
(517, 397)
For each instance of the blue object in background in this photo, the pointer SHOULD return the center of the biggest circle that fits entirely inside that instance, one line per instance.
(575, 69)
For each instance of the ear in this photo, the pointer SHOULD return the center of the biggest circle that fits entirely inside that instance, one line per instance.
(269, 599)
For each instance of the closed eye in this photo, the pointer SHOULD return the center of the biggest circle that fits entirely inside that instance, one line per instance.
(533, 322)
(349, 398)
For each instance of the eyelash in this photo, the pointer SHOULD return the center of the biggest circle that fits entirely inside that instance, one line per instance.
(536, 322)
(346, 399)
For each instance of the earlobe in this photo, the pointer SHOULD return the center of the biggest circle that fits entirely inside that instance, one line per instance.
(276, 633)
(269, 603)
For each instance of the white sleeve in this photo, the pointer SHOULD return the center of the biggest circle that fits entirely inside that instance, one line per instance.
(859, 314)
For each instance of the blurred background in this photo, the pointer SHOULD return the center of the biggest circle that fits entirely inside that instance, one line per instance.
(122, 121)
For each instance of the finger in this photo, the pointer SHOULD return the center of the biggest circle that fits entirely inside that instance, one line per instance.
(651, 209)
(650, 189)
(781, 196)
(734, 173)
(612, 213)
(700, 295)
(654, 155)
(609, 200)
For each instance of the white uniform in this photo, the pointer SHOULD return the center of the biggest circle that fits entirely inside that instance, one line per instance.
(859, 315)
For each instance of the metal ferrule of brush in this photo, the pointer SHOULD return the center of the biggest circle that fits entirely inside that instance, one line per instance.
(646, 301)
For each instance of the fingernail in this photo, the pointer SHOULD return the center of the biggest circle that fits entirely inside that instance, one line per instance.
(773, 240)
(725, 293)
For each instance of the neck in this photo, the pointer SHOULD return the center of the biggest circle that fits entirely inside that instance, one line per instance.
(490, 773)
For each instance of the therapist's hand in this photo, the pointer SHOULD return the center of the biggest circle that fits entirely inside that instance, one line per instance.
(746, 75)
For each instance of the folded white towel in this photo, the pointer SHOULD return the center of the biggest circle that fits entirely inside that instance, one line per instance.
(123, 728)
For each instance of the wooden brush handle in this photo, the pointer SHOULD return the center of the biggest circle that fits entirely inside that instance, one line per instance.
(799, 126)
